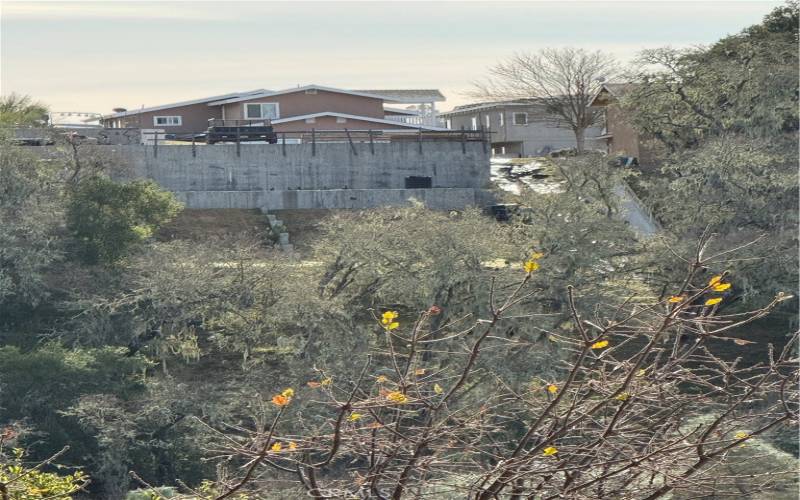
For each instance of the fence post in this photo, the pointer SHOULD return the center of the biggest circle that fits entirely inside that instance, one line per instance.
(463, 140)
(194, 148)
(419, 140)
(238, 142)
(350, 140)
(155, 144)
(371, 143)
(313, 142)
(283, 146)
(483, 139)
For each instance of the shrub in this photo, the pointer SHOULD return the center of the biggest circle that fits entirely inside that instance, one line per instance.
(109, 218)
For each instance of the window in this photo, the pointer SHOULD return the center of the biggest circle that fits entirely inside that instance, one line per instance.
(339, 119)
(311, 120)
(167, 121)
(474, 123)
(311, 91)
(501, 119)
(448, 123)
(520, 118)
(488, 121)
(261, 110)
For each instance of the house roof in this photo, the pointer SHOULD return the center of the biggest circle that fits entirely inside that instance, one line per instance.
(467, 108)
(615, 90)
(353, 117)
(407, 95)
(182, 103)
(362, 93)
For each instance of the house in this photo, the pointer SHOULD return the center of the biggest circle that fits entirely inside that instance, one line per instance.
(620, 138)
(517, 128)
(290, 110)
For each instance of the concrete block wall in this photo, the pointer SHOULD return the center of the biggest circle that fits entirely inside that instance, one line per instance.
(327, 176)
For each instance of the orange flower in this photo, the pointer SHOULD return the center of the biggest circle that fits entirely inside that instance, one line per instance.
(280, 400)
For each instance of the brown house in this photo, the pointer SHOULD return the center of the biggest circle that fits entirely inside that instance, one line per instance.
(620, 137)
(295, 109)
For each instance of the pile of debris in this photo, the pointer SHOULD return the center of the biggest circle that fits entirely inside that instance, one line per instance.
(512, 174)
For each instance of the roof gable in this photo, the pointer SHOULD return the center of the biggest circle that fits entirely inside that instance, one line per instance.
(292, 91)
(182, 103)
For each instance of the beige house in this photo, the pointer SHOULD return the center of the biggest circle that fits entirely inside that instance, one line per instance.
(296, 109)
(620, 138)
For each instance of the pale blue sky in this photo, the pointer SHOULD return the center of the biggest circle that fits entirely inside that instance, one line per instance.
(92, 56)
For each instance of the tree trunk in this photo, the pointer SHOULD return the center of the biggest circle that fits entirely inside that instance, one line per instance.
(580, 134)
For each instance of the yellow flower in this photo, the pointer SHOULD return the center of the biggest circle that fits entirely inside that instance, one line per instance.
(641, 372)
(288, 393)
(276, 447)
(355, 417)
(741, 435)
(437, 389)
(721, 287)
(716, 279)
(599, 344)
(715, 300)
(550, 450)
(280, 400)
(325, 383)
(623, 396)
(381, 379)
(392, 325)
(419, 372)
(675, 299)
(536, 255)
(292, 445)
(388, 316)
(397, 397)
(552, 388)
(530, 266)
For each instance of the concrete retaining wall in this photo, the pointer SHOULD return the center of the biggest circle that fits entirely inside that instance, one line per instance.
(332, 176)
(438, 198)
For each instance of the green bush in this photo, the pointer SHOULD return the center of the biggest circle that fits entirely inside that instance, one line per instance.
(109, 218)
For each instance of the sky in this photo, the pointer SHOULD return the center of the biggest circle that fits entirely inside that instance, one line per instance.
(95, 56)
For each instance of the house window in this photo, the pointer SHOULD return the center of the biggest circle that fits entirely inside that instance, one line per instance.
(339, 119)
(487, 119)
(261, 110)
(501, 119)
(311, 120)
(474, 125)
(448, 123)
(167, 121)
(520, 118)
(311, 91)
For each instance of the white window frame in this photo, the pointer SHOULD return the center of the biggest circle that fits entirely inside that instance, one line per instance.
(474, 123)
(487, 120)
(502, 119)
(171, 121)
(311, 120)
(262, 117)
(448, 123)
(311, 91)
(515, 119)
(340, 119)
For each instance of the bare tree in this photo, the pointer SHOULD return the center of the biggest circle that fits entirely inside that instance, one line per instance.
(645, 408)
(562, 80)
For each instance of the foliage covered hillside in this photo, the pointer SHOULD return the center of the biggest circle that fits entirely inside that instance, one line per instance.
(408, 353)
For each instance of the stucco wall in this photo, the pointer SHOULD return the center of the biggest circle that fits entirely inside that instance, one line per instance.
(300, 103)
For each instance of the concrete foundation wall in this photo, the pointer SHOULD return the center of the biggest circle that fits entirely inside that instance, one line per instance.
(332, 176)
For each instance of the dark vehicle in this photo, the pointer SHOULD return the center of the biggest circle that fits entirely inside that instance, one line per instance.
(220, 130)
